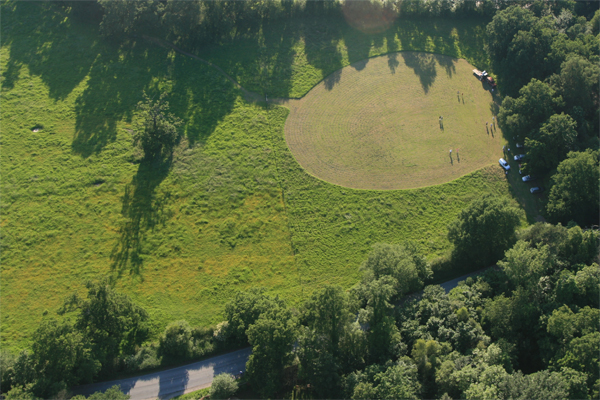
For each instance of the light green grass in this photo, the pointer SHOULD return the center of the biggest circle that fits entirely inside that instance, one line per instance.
(234, 210)
(376, 125)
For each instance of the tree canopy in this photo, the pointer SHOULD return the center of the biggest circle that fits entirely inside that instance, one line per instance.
(484, 230)
(575, 194)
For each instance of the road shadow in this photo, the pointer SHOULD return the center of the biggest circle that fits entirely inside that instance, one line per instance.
(142, 210)
(170, 385)
(423, 65)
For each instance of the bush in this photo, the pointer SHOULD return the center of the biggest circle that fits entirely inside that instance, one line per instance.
(176, 342)
(223, 386)
(145, 358)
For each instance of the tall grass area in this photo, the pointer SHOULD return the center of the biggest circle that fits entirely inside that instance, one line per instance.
(232, 210)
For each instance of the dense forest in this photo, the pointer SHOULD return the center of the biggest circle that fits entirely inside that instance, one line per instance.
(528, 327)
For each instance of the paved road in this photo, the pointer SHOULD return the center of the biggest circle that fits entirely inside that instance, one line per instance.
(176, 381)
(449, 285)
(188, 378)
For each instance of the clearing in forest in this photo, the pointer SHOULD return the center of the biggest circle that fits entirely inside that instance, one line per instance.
(376, 123)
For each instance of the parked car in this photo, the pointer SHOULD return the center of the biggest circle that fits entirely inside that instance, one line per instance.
(528, 178)
(519, 157)
(504, 164)
(537, 189)
(519, 145)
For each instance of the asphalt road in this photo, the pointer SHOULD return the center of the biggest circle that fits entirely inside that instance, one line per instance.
(188, 378)
(176, 381)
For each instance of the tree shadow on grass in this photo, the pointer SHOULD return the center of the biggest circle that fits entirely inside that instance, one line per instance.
(142, 210)
(423, 64)
(46, 39)
(116, 81)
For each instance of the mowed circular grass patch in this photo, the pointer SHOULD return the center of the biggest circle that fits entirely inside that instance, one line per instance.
(375, 124)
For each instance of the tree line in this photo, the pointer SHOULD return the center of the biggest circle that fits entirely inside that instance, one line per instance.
(547, 64)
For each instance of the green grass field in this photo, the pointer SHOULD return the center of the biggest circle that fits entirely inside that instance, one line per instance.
(233, 210)
(375, 124)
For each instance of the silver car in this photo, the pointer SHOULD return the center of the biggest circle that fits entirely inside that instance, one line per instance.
(504, 164)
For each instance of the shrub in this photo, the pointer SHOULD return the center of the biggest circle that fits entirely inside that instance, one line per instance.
(176, 341)
(223, 386)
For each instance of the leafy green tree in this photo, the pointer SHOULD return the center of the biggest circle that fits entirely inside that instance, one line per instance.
(495, 383)
(7, 363)
(403, 263)
(577, 83)
(353, 348)
(575, 194)
(550, 146)
(529, 56)
(328, 313)
(19, 392)
(61, 357)
(176, 342)
(484, 230)
(223, 386)
(504, 26)
(272, 337)
(112, 323)
(522, 116)
(383, 336)
(113, 393)
(525, 265)
(318, 366)
(244, 310)
(399, 381)
(156, 128)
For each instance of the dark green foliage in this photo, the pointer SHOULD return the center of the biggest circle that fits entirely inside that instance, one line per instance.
(271, 336)
(61, 357)
(7, 362)
(550, 145)
(329, 342)
(114, 393)
(244, 310)
(484, 230)
(396, 381)
(403, 263)
(570, 245)
(145, 358)
(522, 116)
(112, 323)
(504, 26)
(575, 194)
(176, 342)
(383, 336)
(524, 265)
(577, 83)
(156, 130)
(223, 386)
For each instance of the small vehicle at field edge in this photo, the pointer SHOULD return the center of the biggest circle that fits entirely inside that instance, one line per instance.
(537, 189)
(504, 164)
(519, 145)
(519, 157)
(484, 77)
(528, 178)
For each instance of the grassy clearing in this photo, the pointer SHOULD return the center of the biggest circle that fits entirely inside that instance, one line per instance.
(376, 126)
(233, 210)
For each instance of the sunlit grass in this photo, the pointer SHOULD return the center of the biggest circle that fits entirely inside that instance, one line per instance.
(233, 210)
